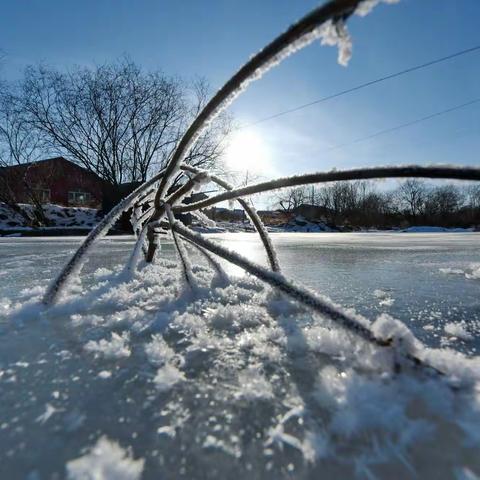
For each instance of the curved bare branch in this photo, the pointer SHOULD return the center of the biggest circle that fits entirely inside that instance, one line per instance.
(437, 172)
(297, 36)
(254, 217)
(75, 263)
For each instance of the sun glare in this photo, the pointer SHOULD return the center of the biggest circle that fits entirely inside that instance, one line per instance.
(248, 152)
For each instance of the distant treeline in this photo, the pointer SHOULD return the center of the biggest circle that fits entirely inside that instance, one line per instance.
(414, 202)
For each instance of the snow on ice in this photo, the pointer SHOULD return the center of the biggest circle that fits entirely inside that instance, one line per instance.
(472, 272)
(225, 379)
(107, 460)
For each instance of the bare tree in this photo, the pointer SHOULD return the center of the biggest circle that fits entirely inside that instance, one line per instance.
(290, 198)
(339, 199)
(210, 145)
(118, 121)
(412, 194)
(472, 196)
(442, 202)
(20, 145)
(472, 204)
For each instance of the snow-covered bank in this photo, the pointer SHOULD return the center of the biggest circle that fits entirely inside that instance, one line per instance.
(59, 218)
(430, 229)
(302, 225)
(228, 380)
(80, 220)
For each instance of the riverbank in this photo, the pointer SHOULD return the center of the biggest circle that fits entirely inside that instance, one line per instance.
(74, 221)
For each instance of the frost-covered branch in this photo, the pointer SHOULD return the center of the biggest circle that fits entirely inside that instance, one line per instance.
(213, 263)
(203, 219)
(138, 222)
(136, 252)
(311, 27)
(193, 183)
(254, 217)
(320, 304)
(182, 253)
(75, 263)
(438, 172)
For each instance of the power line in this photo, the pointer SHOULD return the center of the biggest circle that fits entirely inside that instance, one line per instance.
(363, 85)
(404, 125)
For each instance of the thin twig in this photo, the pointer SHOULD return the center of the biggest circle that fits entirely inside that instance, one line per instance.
(254, 217)
(182, 253)
(215, 265)
(74, 265)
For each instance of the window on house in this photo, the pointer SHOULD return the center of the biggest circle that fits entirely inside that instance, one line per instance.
(79, 198)
(42, 194)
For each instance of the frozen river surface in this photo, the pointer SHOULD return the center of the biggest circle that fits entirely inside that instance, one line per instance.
(426, 280)
(142, 378)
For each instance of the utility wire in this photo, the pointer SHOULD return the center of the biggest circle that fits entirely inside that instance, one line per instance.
(363, 85)
(403, 125)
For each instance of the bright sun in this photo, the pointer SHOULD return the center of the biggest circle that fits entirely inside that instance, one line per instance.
(248, 152)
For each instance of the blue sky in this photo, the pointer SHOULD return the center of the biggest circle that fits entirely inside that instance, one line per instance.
(213, 38)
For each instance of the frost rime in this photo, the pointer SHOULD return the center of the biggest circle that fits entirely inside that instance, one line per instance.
(107, 460)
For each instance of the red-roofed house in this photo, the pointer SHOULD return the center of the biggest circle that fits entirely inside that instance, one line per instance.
(55, 180)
